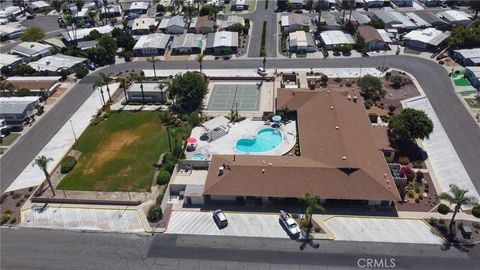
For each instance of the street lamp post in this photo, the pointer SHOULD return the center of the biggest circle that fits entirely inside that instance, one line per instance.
(73, 131)
(361, 66)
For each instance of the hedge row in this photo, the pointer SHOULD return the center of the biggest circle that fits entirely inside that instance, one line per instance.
(263, 51)
(67, 164)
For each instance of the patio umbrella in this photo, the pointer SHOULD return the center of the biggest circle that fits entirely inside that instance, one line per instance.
(276, 118)
(191, 140)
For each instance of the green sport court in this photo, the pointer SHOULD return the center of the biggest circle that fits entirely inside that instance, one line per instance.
(225, 96)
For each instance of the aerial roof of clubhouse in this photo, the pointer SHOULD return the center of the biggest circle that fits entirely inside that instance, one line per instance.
(340, 158)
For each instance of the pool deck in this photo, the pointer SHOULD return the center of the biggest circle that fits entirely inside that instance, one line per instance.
(242, 130)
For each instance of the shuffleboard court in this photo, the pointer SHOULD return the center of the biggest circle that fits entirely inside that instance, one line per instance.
(224, 97)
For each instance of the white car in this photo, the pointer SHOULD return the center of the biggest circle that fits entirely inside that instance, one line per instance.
(261, 71)
(289, 223)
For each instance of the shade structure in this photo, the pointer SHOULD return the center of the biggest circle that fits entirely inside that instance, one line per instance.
(191, 140)
(276, 118)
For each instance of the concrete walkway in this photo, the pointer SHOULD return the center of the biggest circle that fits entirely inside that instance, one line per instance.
(63, 140)
(117, 219)
(444, 159)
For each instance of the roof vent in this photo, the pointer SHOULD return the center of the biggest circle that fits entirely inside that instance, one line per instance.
(349, 97)
(32, 45)
(331, 108)
(220, 170)
(328, 91)
(355, 98)
(263, 170)
(344, 157)
(269, 164)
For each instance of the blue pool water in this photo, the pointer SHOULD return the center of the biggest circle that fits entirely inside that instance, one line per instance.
(267, 139)
(198, 157)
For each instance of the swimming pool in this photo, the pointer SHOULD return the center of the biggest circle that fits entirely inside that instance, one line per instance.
(198, 156)
(267, 139)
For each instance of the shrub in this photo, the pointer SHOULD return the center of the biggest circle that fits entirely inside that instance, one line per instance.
(294, 216)
(81, 71)
(338, 79)
(154, 213)
(3, 197)
(317, 229)
(396, 81)
(8, 212)
(163, 177)
(417, 200)
(408, 173)
(443, 209)
(305, 224)
(324, 78)
(67, 164)
(403, 160)
(4, 218)
(476, 211)
(420, 176)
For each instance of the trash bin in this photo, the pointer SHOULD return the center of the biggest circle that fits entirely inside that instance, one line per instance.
(466, 231)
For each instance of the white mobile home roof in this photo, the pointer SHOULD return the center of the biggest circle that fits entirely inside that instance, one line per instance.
(156, 40)
(31, 49)
(472, 54)
(38, 4)
(360, 18)
(143, 23)
(83, 32)
(10, 11)
(138, 5)
(336, 37)
(403, 19)
(222, 39)
(430, 36)
(55, 62)
(187, 41)
(419, 21)
(454, 15)
(8, 59)
(385, 36)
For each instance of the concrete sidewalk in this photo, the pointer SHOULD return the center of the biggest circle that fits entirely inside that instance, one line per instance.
(63, 140)
(445, 162)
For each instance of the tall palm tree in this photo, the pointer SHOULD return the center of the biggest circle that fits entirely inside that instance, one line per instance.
(313, 204)
(153, 60)
(140, 79)
(123, 84)
(105, 81)
(200, 61)
(42, 163)
(318, 7)
(458, 197)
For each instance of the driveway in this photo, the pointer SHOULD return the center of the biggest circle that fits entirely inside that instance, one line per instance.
(249, 225)
(383, 230)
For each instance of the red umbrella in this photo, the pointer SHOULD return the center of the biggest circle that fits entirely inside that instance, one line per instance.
(191, 140)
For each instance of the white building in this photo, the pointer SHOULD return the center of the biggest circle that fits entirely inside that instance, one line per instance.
(294, 22)
(9, 60)
(16, 109)
(81, 33)
(174, 25)
(231, 20)
(240, 4)
(187, 44)
(301, 42)
(137, 8)
(153, 44)
(332, 38)
(52, 64)
(473, 76)
(141, 26)
(39, 6)
(32, 50)
(455, 17)
(223, 42)
(467, 57)
(10, 31)
(427, 39)
(43, 86)
(10, 13)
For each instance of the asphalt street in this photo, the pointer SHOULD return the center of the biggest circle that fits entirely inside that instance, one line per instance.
(56, 249)
(257, 18)
(459, 125)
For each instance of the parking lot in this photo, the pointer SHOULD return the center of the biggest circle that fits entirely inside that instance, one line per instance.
(250, 225)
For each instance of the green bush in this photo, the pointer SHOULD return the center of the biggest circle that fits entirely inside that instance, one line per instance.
(67, 164)
(294, 216)
(154, 213)
(81, 71)
(476, 211)
(417, 200)
(163, 177)
(317, 229)
(8, 212)
(3, 197)
(4, 218)
(305, 224)
(396, 81)
(443, 209)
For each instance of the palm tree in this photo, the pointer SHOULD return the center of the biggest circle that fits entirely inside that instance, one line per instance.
(105, 79)
(153, 60)
(42, 163)
(264, 62)
(200, 61)
(123, 84)
(319, 6)
(140, 79)
(313, 204)
(458, 197)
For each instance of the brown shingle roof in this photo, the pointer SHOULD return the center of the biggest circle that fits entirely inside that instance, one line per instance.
(380, 134)
(369, 33)
(33, 84)
(339, 156)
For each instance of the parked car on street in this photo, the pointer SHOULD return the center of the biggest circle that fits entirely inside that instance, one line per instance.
(289, 223)
(261, 71)
(220, 218)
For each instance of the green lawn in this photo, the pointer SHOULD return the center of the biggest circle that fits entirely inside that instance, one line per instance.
(461, 82)
(473, 103)
(9, 139)
(118, 154)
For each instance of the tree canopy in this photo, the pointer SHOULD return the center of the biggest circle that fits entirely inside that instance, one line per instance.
(377, 23)
(188, 90)
(32, 34)
(124, 39)
(208, 9)
(410, 124)
(104, 52)
(371, 87)
(462, 37)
